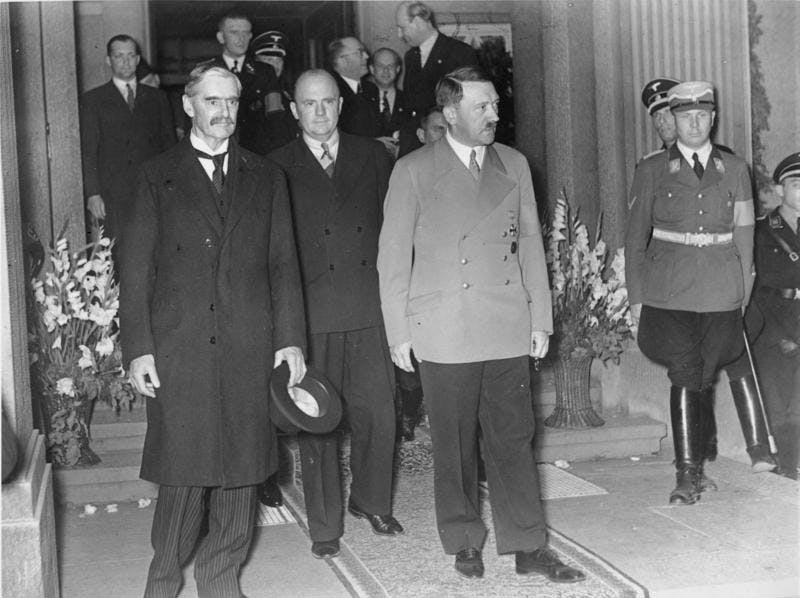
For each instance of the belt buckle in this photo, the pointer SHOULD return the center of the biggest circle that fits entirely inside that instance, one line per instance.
(698, 239)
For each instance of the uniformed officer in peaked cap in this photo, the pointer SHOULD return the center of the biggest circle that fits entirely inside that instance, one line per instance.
(689, 267)
(777, 295)
(654, 98)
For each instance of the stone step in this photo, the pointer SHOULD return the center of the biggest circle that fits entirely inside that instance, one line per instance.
(114, 479)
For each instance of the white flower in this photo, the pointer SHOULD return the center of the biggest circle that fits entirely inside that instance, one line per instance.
(57, 342)
(104, 347)
(100, 316)
(65, 386)
(86, 360)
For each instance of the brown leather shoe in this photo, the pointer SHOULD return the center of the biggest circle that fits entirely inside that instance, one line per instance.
(545, 562)
(469, 563)
(326, 549)
(383, 525)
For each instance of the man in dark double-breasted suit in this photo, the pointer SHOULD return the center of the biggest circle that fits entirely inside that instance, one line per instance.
(337, 183)
(432, 55)
(123, 123)
(210, 302)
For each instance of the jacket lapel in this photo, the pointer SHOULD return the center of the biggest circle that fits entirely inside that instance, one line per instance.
(242, 189)
(346, 171)
(191, 180)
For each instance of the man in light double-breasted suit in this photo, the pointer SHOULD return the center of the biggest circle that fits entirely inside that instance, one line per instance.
(463, 281)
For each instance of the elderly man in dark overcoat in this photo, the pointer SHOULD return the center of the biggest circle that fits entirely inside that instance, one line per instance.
(210, 303)
(337, 183)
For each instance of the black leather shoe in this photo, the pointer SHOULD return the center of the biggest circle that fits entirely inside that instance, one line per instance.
(469, 563)
(269, 493)
(383, 525)
(545, 562)
(326, 549)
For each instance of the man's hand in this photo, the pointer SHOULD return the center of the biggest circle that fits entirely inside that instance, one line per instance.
(297, 363)
(636, 314)
(390, 143)
(96, 207)
(142, 368)
(540, 342)
(401, 356)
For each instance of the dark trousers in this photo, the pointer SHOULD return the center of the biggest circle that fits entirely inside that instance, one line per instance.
(176, 524)
(693, 345)
(359, 367)
(496, 394)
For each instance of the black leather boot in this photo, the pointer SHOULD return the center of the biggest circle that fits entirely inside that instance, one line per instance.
(411, 400)
(689, 440)
(708, 425)
(754, 428)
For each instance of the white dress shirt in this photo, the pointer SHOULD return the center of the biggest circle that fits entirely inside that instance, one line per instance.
(463, 151)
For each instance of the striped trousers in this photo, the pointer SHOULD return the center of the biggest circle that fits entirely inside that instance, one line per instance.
(176, 525)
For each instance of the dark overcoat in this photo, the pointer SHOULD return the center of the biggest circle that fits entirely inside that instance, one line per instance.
(211, 298)
(359, 115)
(115, 142)
(338, 221)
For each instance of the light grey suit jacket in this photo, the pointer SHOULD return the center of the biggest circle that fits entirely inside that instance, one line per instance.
(477, 284)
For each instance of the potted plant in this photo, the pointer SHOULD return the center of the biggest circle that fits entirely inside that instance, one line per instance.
(591, 314)
(75, 354)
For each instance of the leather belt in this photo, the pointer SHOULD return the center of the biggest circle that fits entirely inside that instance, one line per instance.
(784, 293)
(694, 239)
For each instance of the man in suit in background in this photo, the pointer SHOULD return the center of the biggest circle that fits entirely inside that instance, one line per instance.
(359, 115)
(123, 124)
(210, 295)
(260, 107)
(431, 56)
(337, 183)
(385, 68)
(463, 282)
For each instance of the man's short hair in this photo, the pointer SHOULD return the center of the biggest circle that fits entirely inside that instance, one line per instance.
(397, 60)
(430, 112)
(421, 10)
(232, 16)
(201, 70)
(124, 38)
(335, 49)
(314, 73)
(449, 91)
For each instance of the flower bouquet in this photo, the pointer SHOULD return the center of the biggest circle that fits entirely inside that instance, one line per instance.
(75, 354)
(591, 315)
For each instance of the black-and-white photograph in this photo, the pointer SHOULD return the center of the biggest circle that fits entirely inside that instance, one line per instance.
(400, 299)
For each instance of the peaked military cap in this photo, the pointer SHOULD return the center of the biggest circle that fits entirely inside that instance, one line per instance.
(270, 43)
(789, 166)
(654, 94)
(691, 95)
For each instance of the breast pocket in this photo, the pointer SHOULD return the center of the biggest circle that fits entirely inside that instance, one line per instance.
(668, 207)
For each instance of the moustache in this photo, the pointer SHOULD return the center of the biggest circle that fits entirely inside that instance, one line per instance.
(221, 120)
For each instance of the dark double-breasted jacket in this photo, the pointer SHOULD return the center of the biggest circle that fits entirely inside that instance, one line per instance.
(337, 223)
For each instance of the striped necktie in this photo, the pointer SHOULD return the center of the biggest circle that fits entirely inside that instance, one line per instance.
(326, 153)
(218, 176)
(474, 169)
(130, 98)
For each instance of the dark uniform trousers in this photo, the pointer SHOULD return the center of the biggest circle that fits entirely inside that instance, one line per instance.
(358, 365)
(693, 345)
(497, 395)
(176, 524)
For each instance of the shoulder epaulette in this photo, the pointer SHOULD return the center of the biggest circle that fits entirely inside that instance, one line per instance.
(651, 154)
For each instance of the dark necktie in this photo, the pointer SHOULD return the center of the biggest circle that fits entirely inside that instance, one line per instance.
(386, 112)
(358, 88)
(697, 167)
(326, 153)
(235, 67)
(218, 176)
(130, 98)
(474, 169)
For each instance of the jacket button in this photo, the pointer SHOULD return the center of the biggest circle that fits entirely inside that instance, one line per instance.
(330, 267)
(363, 262)
(699, 196)
(213, 340)
(505, 258)
(211, 307)
(208, 243)
(700, 212)
(465, 285)
(507, 281)
(464, 260)
(504, 234)
(327, 231)
(358, 229)
(699, 228)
